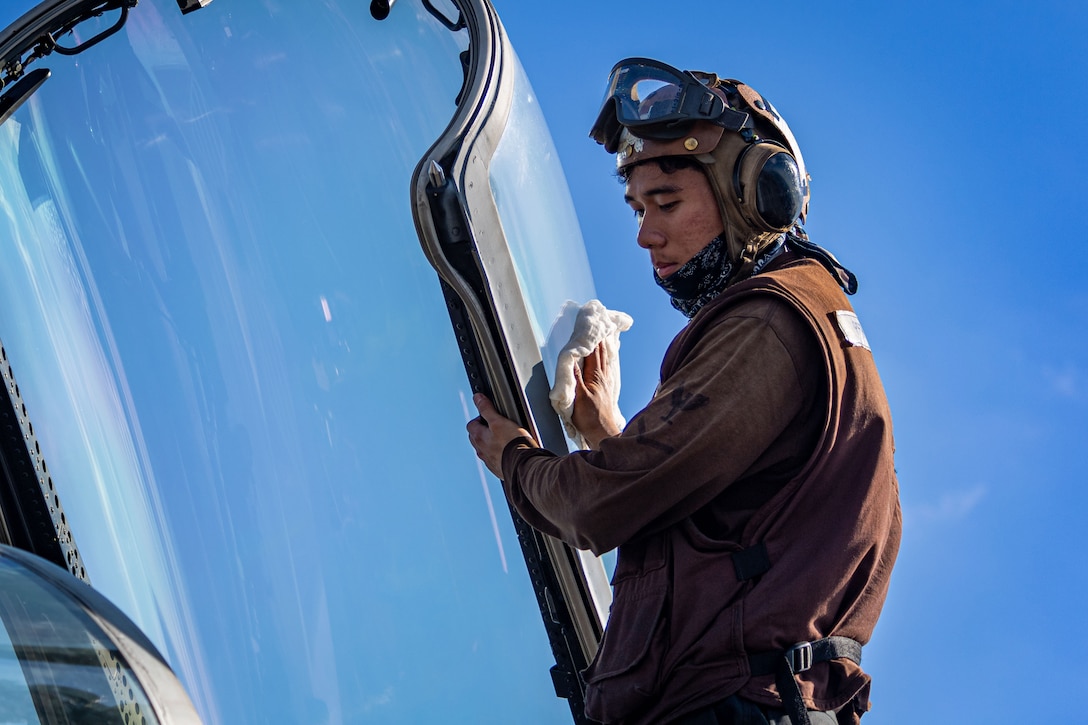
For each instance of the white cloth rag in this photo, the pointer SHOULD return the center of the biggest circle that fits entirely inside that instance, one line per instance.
(595, 324)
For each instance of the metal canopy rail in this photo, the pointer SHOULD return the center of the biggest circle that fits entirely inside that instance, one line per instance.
(457, 232)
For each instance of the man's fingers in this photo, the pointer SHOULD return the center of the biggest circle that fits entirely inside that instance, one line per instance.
(579, 379)
(476, 428)
(602, 356)
(586, 380)
(589, 366)
(595, 369)
(485, 407)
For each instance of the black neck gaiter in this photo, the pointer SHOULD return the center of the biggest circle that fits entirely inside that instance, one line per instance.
(705, 275)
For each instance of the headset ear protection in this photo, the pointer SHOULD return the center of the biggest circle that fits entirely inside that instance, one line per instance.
(768, 186)
(770, 183)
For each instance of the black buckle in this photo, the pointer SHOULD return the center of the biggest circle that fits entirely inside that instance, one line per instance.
(799, 656)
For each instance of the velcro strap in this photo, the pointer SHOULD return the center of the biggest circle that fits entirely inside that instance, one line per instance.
(751, 562)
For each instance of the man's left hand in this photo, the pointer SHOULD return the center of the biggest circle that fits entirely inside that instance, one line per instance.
(491, 433)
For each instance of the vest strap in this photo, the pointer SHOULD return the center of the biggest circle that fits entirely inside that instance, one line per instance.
(786, 664)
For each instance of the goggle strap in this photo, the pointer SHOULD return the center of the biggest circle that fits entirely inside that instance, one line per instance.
(733, 120)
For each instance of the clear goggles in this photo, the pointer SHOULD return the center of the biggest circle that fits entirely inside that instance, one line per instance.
(654, 100)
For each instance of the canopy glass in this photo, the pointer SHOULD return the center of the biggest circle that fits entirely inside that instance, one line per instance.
(241, 371)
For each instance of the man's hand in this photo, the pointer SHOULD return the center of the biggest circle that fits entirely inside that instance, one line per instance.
(491, 432)
(593, 396)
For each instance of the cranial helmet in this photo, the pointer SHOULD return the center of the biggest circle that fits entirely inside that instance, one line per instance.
(751, 158)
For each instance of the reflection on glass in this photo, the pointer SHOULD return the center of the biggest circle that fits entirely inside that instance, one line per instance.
(241, 371)
(16, 703)
(539, 222)
(56, 664)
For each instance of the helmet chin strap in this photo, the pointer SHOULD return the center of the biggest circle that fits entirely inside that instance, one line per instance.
(744, 245)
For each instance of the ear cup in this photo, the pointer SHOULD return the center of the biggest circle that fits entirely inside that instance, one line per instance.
(778, 191)
(768, 186)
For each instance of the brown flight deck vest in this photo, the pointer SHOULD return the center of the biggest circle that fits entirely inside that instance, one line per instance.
(683, 623)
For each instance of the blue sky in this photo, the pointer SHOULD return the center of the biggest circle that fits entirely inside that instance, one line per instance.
(946, 148)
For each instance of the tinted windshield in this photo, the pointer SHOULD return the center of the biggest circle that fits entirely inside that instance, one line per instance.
(241, 371)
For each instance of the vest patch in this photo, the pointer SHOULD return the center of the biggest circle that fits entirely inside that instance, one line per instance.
(850, 327)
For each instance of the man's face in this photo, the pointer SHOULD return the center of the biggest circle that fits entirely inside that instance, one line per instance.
(677, 214)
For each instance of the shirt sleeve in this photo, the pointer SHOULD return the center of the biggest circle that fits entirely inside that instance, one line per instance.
(736, 392)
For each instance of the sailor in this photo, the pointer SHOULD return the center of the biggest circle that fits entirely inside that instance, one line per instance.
(753, 501)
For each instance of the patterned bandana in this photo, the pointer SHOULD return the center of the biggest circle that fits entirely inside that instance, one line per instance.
(704, 276)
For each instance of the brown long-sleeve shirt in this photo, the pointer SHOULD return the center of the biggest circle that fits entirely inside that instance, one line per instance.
(741, 414)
